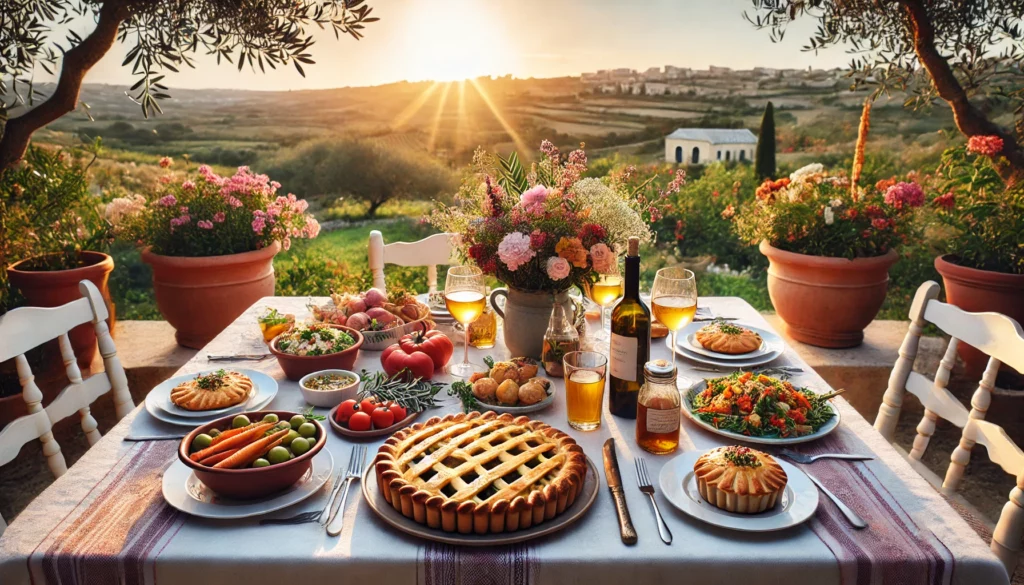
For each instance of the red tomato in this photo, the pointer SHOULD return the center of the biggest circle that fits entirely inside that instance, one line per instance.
(433, 343)
(398, 411)
(413, 365)
(345, 411)
(360, 421)
(382, 418)
(367, 405)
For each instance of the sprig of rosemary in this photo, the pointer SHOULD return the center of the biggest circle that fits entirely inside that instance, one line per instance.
(464, 392)
(414, 395)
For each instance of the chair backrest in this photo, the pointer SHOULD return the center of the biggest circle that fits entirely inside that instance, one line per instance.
(28, 327)
(1002, 339)
(429, 252)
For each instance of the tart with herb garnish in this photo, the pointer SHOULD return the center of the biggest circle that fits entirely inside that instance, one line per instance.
(212, 391)
(739, 479)
(480, 473)
(723, 337)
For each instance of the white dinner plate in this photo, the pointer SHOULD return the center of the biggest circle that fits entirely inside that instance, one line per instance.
(825, 429)
(441, 312)
(798, 502)
(162, 395)
(183, 490)
(770, 342)
(682, 349)
(265, 391)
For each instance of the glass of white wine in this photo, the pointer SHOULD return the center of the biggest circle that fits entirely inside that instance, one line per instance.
(465, 296)
(604, 291)
(674, 299)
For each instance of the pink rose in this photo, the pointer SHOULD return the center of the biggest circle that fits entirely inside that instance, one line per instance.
(205, 224)
(219, 217)
(558, 268)
(602, 257)
(166, 162)
(533, 199)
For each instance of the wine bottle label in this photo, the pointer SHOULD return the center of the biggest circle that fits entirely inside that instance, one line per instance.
(622, 352)
(662, 421)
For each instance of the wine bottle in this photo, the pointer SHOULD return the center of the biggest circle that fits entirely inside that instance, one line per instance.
(630, 346)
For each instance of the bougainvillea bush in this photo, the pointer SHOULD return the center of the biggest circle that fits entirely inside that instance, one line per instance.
(205, 214)
(986, 217)
(546, 228)
(812, 212)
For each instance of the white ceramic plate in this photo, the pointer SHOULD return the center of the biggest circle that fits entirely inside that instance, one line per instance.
(162, 395)
(434, 311)
(825, 429)
(770, 342)
(583, 502)
(183, 490)
(518, 410)
(797, 503)
(683, 350)
(266, 390)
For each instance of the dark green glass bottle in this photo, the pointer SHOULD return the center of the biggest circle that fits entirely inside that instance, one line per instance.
(630, 346)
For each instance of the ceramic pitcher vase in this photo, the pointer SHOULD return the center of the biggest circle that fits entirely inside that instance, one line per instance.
(526, 315)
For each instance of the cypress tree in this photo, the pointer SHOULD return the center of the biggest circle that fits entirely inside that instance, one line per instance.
(764, 159)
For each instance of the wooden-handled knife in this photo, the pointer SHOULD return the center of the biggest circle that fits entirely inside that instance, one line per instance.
(611, 474)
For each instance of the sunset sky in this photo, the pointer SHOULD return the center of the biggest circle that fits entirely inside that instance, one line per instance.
(454, 39)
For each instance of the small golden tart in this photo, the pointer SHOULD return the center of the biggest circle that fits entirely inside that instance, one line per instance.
(739, 479)
(728, 338)
(480, 473)
(212, 391)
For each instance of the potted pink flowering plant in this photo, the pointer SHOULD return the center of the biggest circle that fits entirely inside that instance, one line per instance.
(541, 231)
(211, 241)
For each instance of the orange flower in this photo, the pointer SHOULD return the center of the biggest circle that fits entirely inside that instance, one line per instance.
(572, 250)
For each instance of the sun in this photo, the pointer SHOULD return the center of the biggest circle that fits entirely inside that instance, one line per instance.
(452, 40)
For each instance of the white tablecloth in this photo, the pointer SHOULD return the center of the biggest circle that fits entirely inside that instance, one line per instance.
(105, 520)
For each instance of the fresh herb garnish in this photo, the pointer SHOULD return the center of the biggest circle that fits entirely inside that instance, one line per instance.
(464, 392)
(741, 457)
(311, 416)
(273, 317)
(414, 395)
(211, 381)
(728, 328)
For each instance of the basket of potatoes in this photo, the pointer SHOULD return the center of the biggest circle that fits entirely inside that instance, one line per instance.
(513, 386)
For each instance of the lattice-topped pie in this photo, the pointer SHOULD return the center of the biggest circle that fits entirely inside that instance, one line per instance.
(480, 473)
(211, 391)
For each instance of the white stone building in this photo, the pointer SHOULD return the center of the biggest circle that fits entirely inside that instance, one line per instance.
(655, 88)
(704, 145)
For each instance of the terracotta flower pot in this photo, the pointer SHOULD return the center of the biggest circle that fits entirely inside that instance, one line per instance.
(201, 296)
(979, 291)
(53, 288)
(823, 301)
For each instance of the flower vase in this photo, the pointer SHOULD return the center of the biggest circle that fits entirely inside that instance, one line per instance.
(526, 315)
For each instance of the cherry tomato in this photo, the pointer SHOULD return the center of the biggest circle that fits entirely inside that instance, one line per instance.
(398, 411)
(382, 418)
(367, 405)
(360, 421)
(345, 411)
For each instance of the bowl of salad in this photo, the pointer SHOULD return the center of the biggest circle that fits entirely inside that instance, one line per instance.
(311, 347)
(757, 408)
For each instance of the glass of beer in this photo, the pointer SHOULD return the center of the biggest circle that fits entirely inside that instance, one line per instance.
(584, 388)
(464, 296)
(604, 291)
(674, 300)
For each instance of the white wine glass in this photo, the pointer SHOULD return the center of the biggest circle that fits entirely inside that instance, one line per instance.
(674, 298)
(465, 297)
(604, 292)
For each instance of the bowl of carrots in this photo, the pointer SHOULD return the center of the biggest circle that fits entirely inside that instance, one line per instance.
(248, 461)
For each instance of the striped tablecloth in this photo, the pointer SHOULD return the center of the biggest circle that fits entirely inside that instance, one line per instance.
(105, 521)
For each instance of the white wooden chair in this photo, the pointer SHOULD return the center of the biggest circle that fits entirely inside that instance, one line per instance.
(429, 252)
(1002, 339)
(25, 328)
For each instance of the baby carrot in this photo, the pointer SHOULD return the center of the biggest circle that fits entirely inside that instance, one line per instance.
(232, 432)
(218, 457)
(231, 442)
(252, 451)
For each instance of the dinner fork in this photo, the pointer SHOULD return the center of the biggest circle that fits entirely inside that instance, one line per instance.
(802, 458)
(643, 480)
(355, 469)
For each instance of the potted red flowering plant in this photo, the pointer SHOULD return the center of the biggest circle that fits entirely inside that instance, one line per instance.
(983, 267)
(542, 231)
(829, 247)
(211, 241)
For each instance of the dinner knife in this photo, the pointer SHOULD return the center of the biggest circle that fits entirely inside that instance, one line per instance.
(611, 474)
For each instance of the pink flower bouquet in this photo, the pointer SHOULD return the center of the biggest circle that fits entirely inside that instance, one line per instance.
(210, 215)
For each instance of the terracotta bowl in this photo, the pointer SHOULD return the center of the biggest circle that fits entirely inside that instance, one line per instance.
(297, 366)
(252, 483)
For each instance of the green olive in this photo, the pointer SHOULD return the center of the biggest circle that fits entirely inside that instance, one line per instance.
(240, 421)
(201, 441)
(299, 446)
(278, 455)
(261, 462)
(214, 433)
(291, 436)
(297, 421)
(307, 430)
(270, 418)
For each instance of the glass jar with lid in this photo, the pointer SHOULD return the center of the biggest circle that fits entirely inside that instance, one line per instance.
(658, 411)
